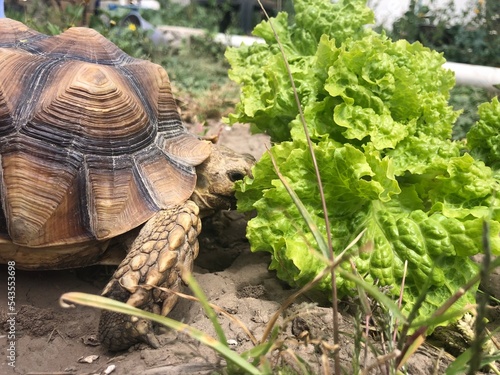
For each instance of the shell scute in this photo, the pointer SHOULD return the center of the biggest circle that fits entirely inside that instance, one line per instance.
(94, 107)
(40, 193)
(120, 200)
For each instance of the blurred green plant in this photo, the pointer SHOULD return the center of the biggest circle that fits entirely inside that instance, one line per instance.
(466, 99)
(470, 37)
(49, 20)
(206, 17)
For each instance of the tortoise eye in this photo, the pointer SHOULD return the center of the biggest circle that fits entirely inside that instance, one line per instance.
(235, 176)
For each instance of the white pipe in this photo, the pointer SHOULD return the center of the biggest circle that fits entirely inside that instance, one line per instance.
(172, 33)
(486, 77)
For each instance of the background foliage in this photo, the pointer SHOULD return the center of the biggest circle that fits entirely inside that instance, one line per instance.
(470, 38)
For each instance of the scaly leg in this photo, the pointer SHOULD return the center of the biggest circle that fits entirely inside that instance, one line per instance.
(166, 244)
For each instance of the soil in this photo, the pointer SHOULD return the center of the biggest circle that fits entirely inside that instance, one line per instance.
(54, 340)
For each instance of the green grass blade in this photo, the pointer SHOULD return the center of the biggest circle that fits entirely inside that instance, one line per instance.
(461, 364)
(120, 307)
(437, 320)
(263, 348)
(323, 246)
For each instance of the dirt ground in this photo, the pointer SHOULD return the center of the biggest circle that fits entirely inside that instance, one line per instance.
(53, 340)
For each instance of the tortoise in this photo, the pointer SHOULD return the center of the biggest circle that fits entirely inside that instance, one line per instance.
(94, 158)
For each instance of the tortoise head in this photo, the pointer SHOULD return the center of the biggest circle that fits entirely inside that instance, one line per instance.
(216, 177)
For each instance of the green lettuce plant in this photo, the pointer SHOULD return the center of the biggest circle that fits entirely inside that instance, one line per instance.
(377, 112)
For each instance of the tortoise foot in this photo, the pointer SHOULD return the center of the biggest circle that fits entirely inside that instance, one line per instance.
(119, 331)
(149, 274)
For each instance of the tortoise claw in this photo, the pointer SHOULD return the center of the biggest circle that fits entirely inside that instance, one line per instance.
(152, 340)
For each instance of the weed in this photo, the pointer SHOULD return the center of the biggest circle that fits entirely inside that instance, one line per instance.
(470, 38)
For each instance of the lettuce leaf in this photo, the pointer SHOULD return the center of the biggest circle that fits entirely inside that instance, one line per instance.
(483, 138)
(378, 114)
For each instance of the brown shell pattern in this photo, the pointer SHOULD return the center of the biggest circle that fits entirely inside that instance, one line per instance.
(91, 143)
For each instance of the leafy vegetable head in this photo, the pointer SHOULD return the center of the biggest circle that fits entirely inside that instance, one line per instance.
(378, 115)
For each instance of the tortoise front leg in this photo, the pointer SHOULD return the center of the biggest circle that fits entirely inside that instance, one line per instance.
(166, 244)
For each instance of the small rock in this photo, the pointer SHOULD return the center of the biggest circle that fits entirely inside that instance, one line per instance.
(109, 369)
(88, 359)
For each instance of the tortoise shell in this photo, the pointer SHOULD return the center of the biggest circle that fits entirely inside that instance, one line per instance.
(91, 142)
